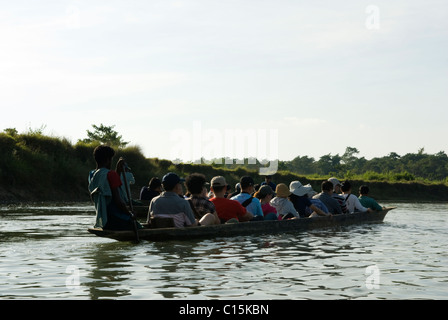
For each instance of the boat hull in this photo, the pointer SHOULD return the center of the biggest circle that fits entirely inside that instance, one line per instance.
(245, 228)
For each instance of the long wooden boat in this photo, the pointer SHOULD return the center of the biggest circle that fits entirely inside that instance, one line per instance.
(244, 228)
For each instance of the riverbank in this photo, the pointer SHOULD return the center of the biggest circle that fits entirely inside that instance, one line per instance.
(34, 168)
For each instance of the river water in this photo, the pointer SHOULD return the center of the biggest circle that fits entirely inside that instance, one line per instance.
(47, 253)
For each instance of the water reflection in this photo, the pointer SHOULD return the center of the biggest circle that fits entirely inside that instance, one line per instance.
(38, 243)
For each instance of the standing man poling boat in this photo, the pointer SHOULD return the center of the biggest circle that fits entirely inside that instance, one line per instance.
(104, 186)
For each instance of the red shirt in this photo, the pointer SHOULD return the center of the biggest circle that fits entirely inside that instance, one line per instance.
(114, 179)
(228, 209)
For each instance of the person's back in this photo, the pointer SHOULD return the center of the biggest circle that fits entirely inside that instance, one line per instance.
(367, 201)
(332, 204)
(152, 190)
(245, 198)
(326, 197)
(227, 209)
(170, 202)
(105, 191)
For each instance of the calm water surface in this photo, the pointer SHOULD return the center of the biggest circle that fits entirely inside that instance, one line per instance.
(46, 253)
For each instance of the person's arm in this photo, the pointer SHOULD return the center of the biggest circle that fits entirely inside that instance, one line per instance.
(189, 213)
(317, 210)
(246, 217)
(376, 206)
(359, 206)
(258, 209)
(243, 214)
(115, 184)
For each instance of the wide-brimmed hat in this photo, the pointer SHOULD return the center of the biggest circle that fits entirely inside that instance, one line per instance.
(334, 181)
(298, 189)
(311, 193)
(282, 190)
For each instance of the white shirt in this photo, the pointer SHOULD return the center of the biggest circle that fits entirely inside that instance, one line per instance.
(353, 203)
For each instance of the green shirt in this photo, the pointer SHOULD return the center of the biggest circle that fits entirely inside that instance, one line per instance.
(371, 203)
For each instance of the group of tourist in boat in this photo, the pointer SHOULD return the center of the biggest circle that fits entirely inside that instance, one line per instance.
(210, 203)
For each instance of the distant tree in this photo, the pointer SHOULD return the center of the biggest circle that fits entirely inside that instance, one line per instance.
(11, 132)
(105, 135)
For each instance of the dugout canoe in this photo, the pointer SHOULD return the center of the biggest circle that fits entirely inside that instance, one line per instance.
(244, 228)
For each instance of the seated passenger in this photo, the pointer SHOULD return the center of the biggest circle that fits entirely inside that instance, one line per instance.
(268, 181)
(247, 200)
(300, 200)
(204, 210)
(264, 194)
(171, 202)
(317, 202)
(152, 190)
(285, 208)
(352, 201)
(228, 210)
(104, 186)
(367, 201)
(326, 196)
(336, 194)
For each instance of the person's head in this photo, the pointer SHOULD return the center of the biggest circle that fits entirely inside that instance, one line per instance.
(346, 187)
(196, 184)
(264, 193)
(268, 179)
(336, 184)
(327, 187)
(171, 182)
(103, 156)
(219, 186)
(296, 188)
(247, 184)
(282, 190)
(155, 184)
(364, 190)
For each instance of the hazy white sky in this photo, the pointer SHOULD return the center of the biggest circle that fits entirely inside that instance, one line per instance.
(304, 77)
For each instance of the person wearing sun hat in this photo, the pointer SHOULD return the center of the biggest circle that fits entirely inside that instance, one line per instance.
(300, 200)
(281, 203)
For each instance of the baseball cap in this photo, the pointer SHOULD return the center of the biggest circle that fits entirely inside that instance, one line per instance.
(171, 179)
(218, 181)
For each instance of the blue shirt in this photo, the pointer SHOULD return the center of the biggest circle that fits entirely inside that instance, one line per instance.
(254, 207)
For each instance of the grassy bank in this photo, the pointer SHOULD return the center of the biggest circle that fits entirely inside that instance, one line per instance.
(35, 167)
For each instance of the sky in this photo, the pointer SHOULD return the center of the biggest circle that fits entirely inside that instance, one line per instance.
(207, 78)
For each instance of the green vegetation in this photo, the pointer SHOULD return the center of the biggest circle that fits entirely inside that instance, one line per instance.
(37, 167)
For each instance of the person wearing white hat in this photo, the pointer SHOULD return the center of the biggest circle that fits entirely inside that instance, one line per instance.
(300, 200)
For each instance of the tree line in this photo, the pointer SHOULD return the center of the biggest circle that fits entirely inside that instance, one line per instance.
(42, 166)
(392, 167)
